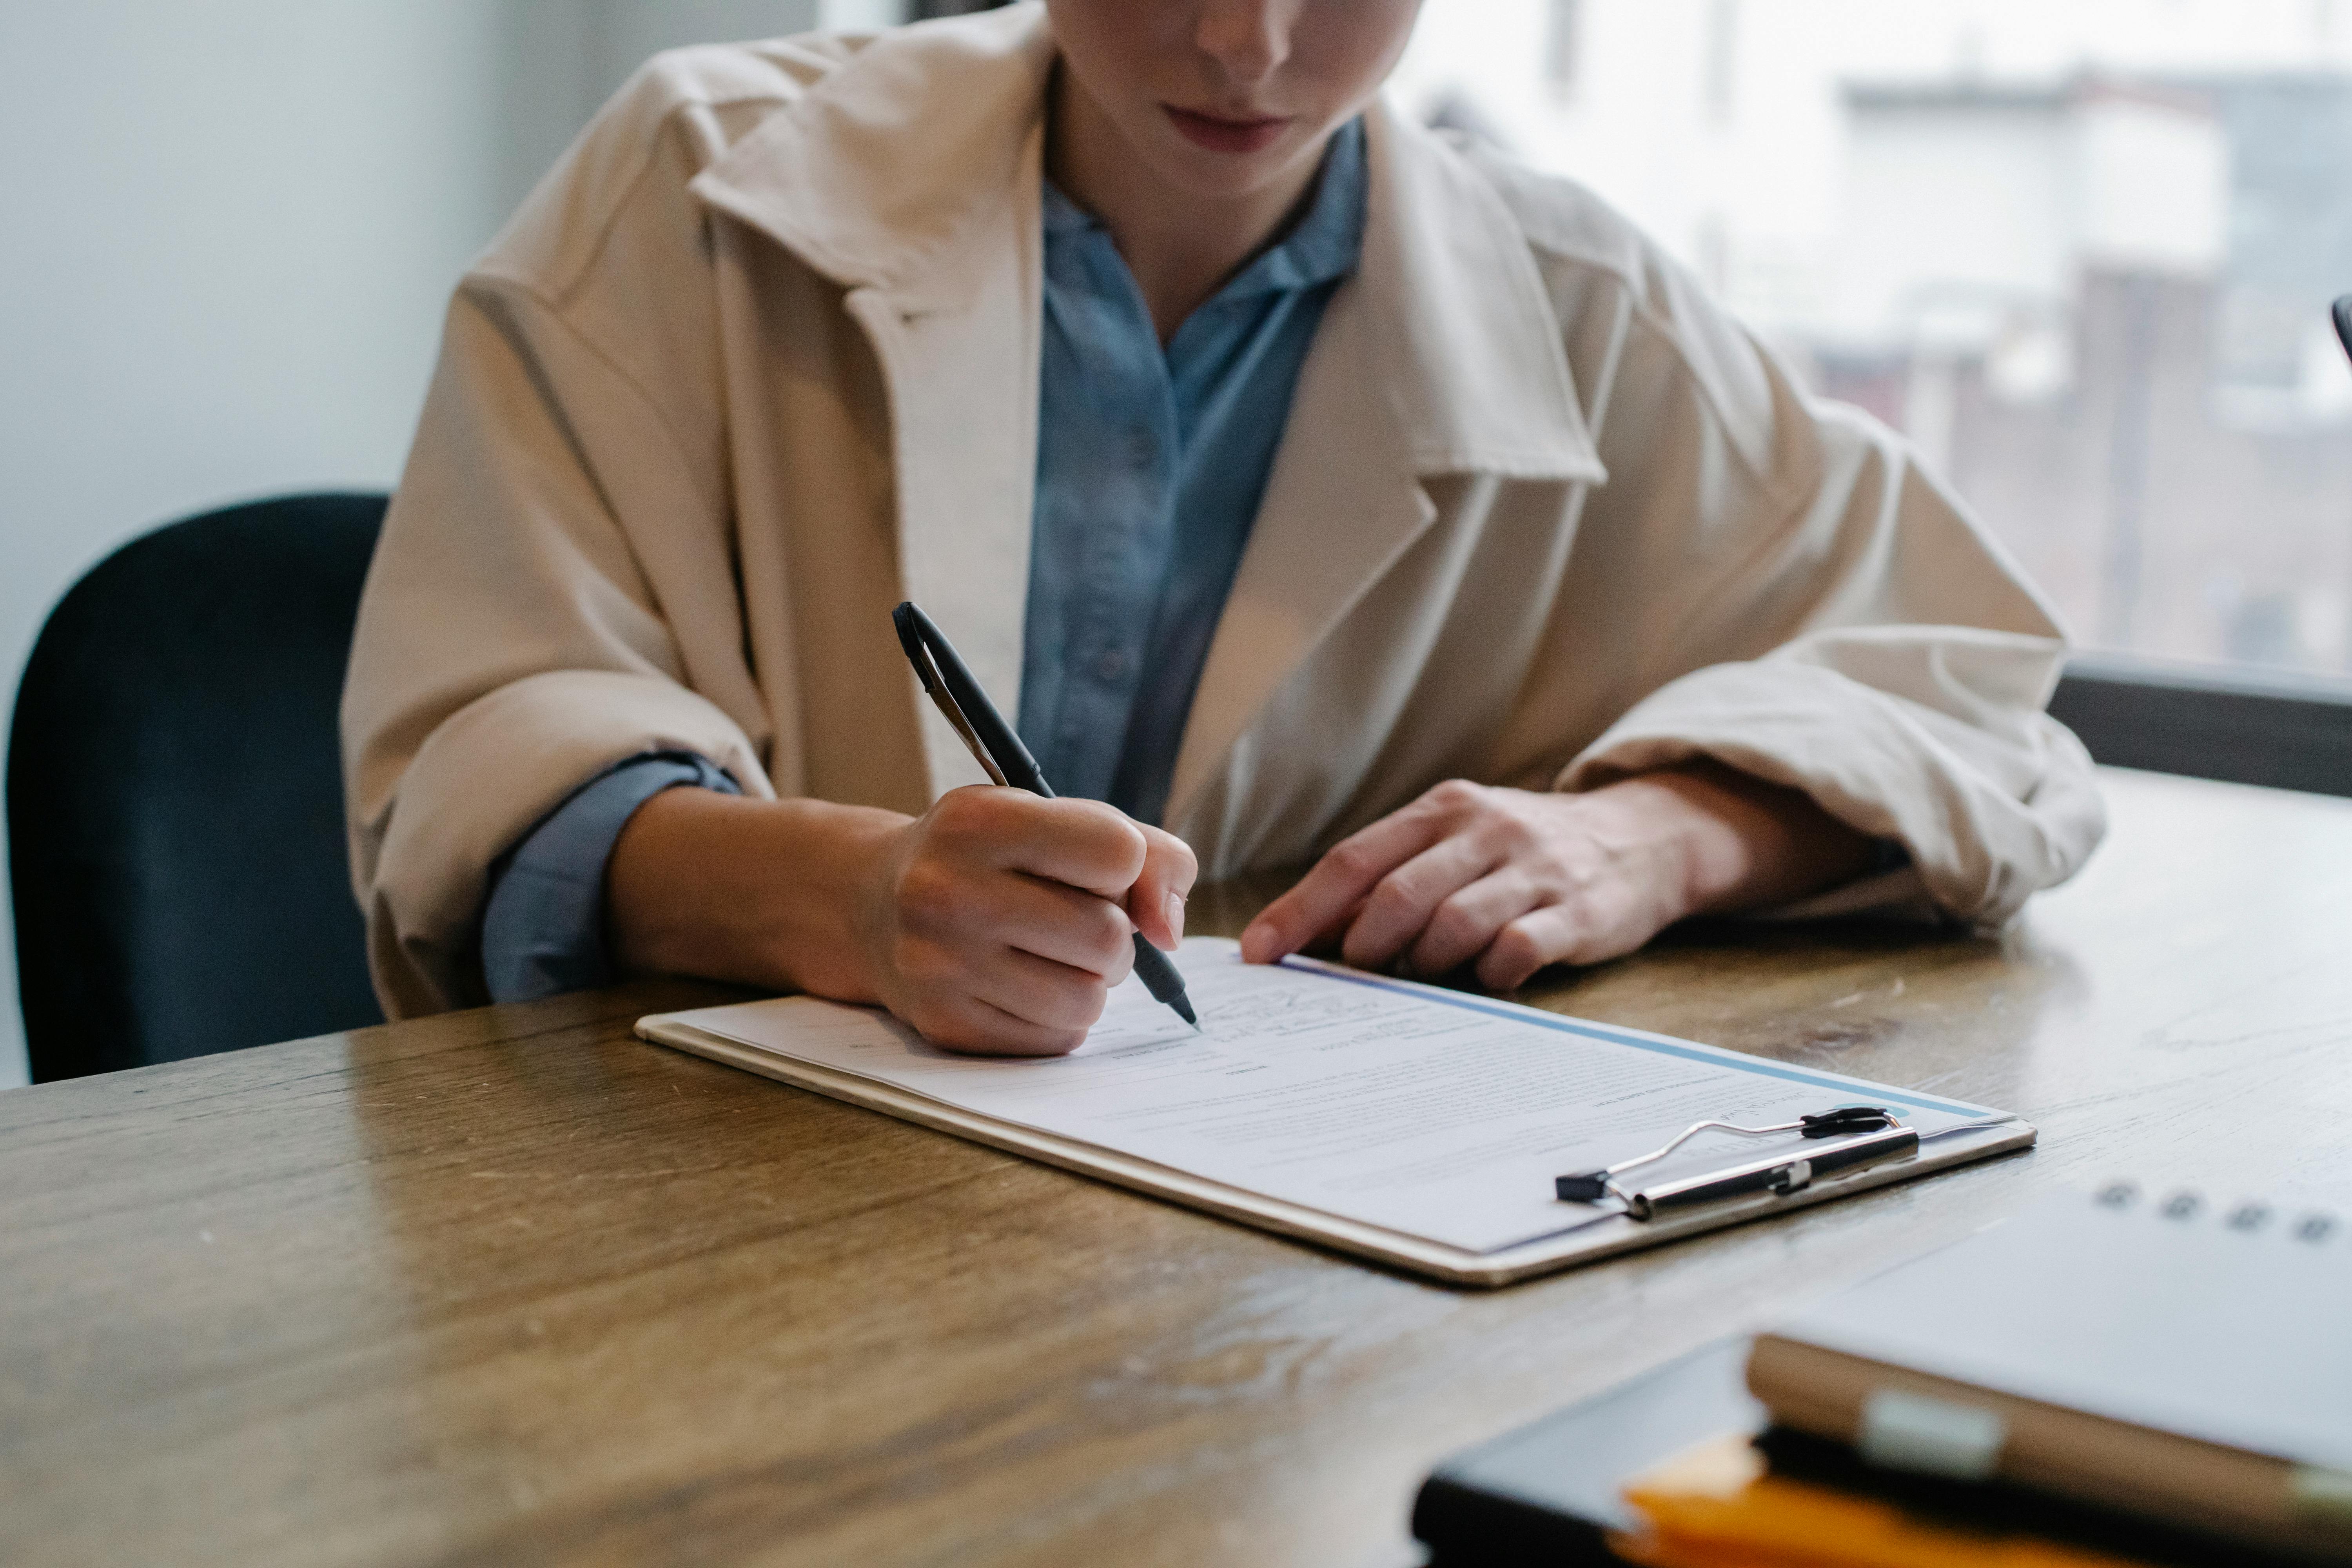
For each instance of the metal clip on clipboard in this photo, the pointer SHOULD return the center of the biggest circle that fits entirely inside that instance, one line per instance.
(1850, 1137)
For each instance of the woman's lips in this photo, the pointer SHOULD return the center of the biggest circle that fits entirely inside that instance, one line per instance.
(1219, 135)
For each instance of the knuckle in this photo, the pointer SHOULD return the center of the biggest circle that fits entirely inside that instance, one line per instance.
(1453, 923)
(961, 804)
(1391, 899)
(1131, 848)
(1350, 857)
(1512, 831)
(1095, 817)
(926, 893)
(1107, 933)
(1121, 963)
(1360, 948)
(1183, 865)
(963, 816)
(1107, 836)
(1456, 795)
(1074, 1007)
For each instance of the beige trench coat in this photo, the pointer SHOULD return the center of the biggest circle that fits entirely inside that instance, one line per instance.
(759, 359)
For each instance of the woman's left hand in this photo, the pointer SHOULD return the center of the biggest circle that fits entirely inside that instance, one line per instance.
(1516, 881)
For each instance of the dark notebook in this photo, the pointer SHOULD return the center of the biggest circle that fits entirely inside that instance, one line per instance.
(1548, 1493)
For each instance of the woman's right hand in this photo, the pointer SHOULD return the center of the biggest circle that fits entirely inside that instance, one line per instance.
(1000, 920)
(997, 922)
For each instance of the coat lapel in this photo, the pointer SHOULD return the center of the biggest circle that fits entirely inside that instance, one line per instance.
(1442, 355)
(912, 176)
(962, 378)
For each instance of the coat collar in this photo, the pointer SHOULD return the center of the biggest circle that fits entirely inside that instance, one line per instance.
(880, 174)
(910, 175)
(877, 174)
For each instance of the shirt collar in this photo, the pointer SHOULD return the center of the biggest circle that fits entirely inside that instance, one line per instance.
(893, 173)
(1323, 245)
(1063, 216)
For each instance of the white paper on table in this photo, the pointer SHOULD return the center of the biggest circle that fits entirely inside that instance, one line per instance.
(1426, 1112)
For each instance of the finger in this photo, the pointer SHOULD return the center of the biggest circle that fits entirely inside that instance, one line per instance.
(1467, 921)
(1535, 940)
(1156, 902)
(1054, 922)
(1401, 906)
(1327, 944)
(1081, 842)
(1053, 996)
(979, 1028)
(956, 912)
(1581, 931)
(1340, 882)
(1593, 926)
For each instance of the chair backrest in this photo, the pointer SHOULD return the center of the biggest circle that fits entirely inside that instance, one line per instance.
(175, 817)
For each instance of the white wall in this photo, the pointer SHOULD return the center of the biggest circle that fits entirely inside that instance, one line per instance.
(226, 233)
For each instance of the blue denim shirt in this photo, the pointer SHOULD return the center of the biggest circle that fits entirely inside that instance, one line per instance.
(1150, 465)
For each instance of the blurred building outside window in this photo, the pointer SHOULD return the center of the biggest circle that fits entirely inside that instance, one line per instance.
(2081, 251)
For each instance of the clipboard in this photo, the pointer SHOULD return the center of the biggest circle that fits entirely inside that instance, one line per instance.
(1589, 1241)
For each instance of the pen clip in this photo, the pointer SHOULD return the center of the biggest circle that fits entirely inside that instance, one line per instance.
(1782, 1175)
(935, 686)
(1594, 1186)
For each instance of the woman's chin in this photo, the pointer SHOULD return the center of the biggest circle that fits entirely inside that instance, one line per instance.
(1209, 175)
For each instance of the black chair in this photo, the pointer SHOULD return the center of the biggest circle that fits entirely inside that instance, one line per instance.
(175, 817)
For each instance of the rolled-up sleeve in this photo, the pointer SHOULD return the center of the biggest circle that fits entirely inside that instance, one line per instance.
(557, 588)
(1820, 611)
(543, 926)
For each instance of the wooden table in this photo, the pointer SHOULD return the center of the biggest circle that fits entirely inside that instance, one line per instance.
(508, 1286)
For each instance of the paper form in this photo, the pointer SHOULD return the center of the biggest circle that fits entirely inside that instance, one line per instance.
(1434, 1114)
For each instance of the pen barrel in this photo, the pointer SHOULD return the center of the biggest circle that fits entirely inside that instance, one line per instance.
(1158, 974)
(1784, 1175)
(997, 742)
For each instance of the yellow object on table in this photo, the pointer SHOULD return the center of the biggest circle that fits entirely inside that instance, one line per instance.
(1716, 1506)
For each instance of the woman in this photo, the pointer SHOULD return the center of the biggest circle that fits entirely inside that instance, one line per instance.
(1320, 486)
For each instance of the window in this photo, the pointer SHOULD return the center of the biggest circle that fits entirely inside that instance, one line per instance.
(2080, 250)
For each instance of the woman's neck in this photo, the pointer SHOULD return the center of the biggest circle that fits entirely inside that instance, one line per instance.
(1181, 246)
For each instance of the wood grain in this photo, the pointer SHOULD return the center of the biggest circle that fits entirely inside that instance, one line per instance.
(510, 1287)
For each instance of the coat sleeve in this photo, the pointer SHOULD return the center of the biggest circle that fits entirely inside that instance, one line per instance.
(513, 640)
(557, 587)
(1825, 614)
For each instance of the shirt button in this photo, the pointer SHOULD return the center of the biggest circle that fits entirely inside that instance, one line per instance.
(1109, 665)
(1142, 449)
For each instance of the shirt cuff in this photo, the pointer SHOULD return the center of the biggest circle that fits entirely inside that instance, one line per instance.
(544, 925)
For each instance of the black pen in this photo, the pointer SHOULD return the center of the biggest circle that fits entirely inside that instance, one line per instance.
(1007, 761)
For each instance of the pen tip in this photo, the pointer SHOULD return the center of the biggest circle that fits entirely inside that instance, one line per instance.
(1183, 1005)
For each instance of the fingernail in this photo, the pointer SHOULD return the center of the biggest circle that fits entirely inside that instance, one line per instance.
(1176, 914)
